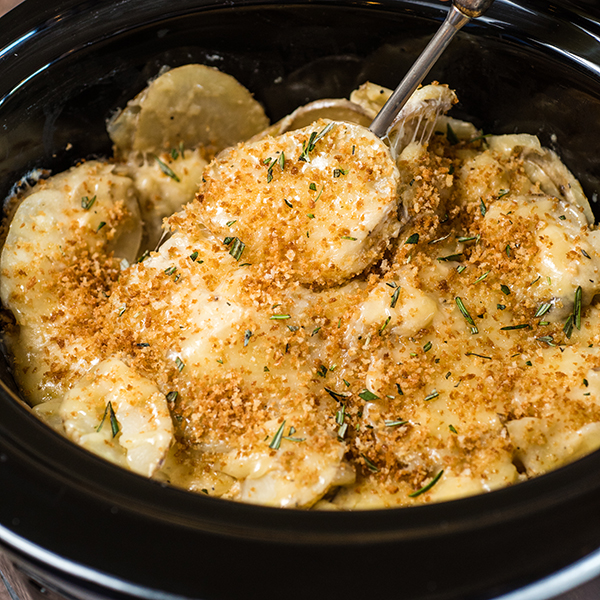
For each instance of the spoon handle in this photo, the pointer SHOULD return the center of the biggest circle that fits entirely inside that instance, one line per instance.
(454, 21)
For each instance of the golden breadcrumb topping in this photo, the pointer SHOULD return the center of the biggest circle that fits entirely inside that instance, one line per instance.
(334, 328)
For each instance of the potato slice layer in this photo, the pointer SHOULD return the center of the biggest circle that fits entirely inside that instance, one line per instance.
(193, 105)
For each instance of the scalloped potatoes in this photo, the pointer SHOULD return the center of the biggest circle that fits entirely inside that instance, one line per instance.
(330, 324)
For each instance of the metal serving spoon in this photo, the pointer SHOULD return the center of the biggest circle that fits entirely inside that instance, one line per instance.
(462, 12)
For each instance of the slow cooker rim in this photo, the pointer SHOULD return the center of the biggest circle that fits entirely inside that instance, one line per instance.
(8, 534)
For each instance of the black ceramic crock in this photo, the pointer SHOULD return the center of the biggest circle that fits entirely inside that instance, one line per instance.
(90, 530)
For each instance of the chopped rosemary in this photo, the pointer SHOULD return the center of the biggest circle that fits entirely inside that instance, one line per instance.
(370, 465)
(395, 296)
(172, 396)
(512, 327)
(440, 239)
(319, 194)
(337, 395)
(546, 339)
(577, 308)
(144, 256)
(247, 336)
(427, 347)
(465, 314)
(280, 317)
(337, 172)
(381, 330)
(543, 309)
(482, 277)
(276, 442)
(460, 269)
(180, 364)
(309, 146)
(322, 371)
(114, 424)
(501, 306)
(349, 237)
(288, 203)
(427, 487)
(413, 239)
(482, 207)
(471, 238)
(568, 328)
(399, 388)
(368, 395)
(170, 270)
(312, 187)
(293, 439)
(431, 396)
(271, 162)
(478, 355)
(230, 223)
(194, 256)
(395, 423)
(101, 225)
(574, 319)
(166, 169)
(87, 203)
(585, 253)
(452, 428)
(451, 135)
(505, 289)
(503, 193)
(237, 247)
(450, 257)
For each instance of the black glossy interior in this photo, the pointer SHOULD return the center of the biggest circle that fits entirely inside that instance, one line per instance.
(92, 529)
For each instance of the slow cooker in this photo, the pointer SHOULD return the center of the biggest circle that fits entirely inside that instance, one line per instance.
(72, 525)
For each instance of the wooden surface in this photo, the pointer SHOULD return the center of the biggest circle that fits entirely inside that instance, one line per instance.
(6, 5)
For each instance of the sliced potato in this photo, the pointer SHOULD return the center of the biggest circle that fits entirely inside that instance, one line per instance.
(88, 206)
(164, 184)
(335, 109)
(555, 179)
(322, 199)
(193, 105)
(371, 97)
(73, 227)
